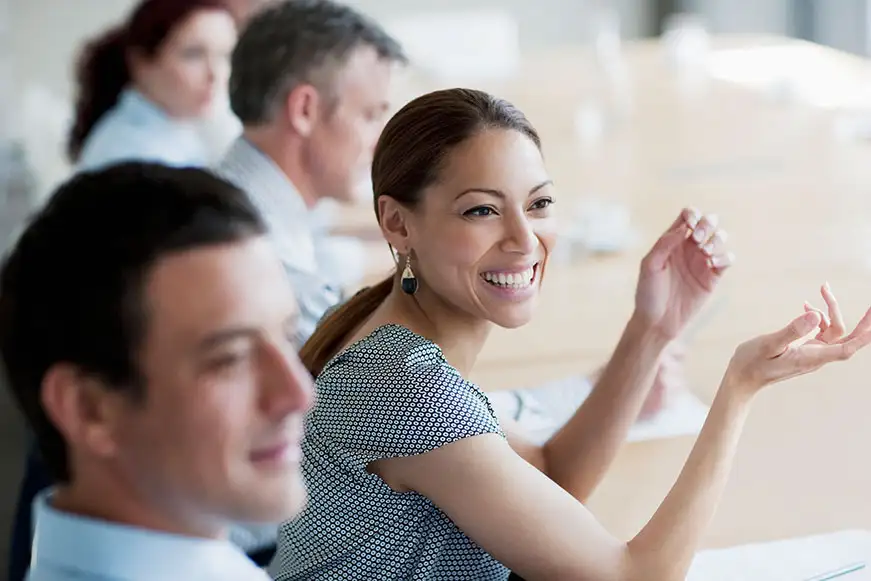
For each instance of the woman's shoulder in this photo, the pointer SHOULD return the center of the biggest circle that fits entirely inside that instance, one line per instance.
(389, 356)
(114, 140)
(117, 138)
(388, 347)
(393, 393)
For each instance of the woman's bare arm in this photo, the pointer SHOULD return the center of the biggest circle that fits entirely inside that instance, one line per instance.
(579, 454)
(540, 531)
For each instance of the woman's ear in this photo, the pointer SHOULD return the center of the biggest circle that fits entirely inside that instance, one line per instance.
(394, 219)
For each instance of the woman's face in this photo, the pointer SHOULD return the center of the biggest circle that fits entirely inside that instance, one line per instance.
(482, 233)
(190, 66)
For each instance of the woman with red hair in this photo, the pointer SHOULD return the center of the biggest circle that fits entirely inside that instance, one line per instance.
(143, 85)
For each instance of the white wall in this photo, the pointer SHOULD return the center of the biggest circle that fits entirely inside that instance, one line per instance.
(46, 33)
(842, 24)
(542, 22)
(765, 16)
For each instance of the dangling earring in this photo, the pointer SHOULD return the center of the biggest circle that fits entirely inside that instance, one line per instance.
(408, 281)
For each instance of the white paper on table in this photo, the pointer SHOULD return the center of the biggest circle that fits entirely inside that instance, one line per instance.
(547, 407)
(787, 560)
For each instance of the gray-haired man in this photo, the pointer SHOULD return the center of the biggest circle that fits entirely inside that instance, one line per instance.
(310, 85)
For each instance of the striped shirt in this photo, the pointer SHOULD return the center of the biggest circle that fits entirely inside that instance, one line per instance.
(292, 226)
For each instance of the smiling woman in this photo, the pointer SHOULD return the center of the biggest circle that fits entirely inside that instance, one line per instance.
(409, 470)
(410, 159)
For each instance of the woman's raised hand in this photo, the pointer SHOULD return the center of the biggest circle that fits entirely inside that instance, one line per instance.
(680, 272)
(806, 344)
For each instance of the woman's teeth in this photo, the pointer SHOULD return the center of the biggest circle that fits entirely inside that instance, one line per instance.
(516, 280)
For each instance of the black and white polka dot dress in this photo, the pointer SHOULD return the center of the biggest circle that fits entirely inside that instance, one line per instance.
(390, 394)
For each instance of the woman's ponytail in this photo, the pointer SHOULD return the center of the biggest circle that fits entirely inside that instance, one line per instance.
(334, 330)
(101, 75)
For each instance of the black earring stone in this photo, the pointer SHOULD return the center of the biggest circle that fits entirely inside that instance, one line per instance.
(409, 285)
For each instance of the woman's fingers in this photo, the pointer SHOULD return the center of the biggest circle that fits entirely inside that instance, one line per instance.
(838, 328)
(862, 327)
(824, 320)
(811, 356)
(716, 244)
(705, 230)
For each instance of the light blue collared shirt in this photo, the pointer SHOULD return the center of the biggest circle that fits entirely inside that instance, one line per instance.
(136, 129)
(68, 547)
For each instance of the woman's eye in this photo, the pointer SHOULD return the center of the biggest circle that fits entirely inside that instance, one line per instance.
(541, 204)
(480, 211)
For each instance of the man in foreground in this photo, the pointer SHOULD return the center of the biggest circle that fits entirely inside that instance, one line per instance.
(145, 327)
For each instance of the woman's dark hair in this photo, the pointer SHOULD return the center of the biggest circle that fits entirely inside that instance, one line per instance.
(408, 158)
(102, 71)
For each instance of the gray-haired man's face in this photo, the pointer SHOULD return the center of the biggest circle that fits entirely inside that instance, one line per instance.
(341, 147)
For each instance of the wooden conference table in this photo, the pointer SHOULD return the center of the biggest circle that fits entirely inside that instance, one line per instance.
(795, 198)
